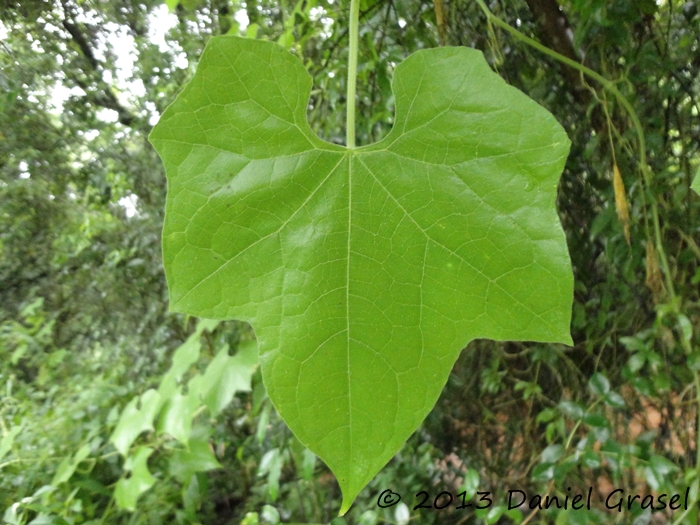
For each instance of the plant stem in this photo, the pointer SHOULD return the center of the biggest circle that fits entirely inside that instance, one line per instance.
(352, 73)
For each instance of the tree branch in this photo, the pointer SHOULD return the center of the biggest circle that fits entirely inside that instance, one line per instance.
(105, 97)
(557, 35)
(82, 43)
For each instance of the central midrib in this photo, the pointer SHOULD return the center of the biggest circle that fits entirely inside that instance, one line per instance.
(350, 155)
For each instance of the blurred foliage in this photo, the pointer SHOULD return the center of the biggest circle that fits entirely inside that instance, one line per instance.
(109, 403)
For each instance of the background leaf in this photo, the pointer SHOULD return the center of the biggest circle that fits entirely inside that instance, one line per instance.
(139, 479)
(136, 417)
(227, 375)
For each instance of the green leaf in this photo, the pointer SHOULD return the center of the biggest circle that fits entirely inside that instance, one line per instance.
(547, 415)
(364, 272)
(250, 519)
(572, 409)
(252, 31)
(636, 361)
(136, 417)
(263, 421)
(308, 465)
(270, 515)
(11, 517)
(599, 384)
(67, 467)
(543, 471)
(686, 328)
(176, 417)
(198, 457)
(368, 517)
(188, 352)
(614, 400)
(696, 182)
(304, 460)
(7, 440)
(595, 420)
(271, 464)
(226, 375)
(658, 470)
(402, 514)
(552, 454)
(471, 483)
(495, 513)
(139, 481)
(590, 460)
(43, 519)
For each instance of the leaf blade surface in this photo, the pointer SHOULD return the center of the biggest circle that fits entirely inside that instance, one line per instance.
(363, 272)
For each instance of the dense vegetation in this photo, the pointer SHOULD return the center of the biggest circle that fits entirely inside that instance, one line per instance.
(95, 370)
